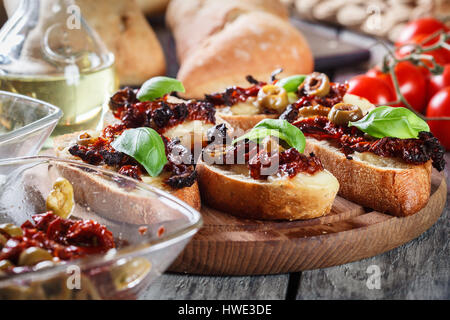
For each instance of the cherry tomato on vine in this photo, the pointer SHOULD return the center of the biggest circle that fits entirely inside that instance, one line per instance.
(413, 84)
(375, 90)
(423, 26)
(441, 56)
(437, 82)
(439, 106)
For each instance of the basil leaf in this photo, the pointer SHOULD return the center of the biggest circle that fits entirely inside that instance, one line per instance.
(290, 84)
(157, 87)
(257, 134)
(144, 145)
(282, 129)
(391, 122)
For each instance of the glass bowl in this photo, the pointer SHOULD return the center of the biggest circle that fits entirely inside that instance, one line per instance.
(25, 124)
(150, 228)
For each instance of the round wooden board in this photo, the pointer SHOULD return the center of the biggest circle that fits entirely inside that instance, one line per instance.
(227, 245)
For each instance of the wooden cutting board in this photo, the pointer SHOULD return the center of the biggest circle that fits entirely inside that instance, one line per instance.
(227, 245)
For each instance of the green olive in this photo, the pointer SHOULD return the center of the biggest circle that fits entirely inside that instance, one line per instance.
(3, 240)
(33, 255)
(131, 273)
(85, 139)
(11, 229)
(273, 98)
(342, 113)
(317, 110)
(316, 84)
(5, 264)
(44, 264)
(60, 200)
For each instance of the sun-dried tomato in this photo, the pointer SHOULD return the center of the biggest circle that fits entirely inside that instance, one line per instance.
(131, 171)
(351, 139)
(64, 238)
(122, 98)
(233, 95)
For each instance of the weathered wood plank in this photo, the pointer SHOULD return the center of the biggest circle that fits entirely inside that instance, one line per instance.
(177, 287)
(416, 270)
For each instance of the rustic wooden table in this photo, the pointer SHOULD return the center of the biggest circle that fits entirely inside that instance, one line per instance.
(416, 270)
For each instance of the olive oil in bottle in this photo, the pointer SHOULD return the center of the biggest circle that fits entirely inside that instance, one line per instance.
(81, 98)
(49, 52)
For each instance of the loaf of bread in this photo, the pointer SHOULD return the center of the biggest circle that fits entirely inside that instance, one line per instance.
(219, 43)
(125, 31)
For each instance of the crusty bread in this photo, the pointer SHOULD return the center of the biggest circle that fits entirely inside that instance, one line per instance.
(120, 203)
(126, 32)
(219, 45)
(244, 123)
(190, 195)
(192, 133)
(384, 184)
(303, 197)
(193, 21)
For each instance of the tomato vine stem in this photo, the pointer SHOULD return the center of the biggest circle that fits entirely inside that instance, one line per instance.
(416, 56)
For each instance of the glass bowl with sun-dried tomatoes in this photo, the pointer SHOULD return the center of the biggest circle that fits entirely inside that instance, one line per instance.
(69, 230)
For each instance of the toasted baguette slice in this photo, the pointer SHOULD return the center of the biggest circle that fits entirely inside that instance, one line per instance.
(190, 195)
(384, 184)
(191, 133)
(229, 188)
(243, 116)
(243, 123)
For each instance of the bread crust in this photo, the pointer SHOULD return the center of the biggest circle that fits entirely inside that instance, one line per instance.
(126, 32)
(245, 123)
(119, 203)
(400, 192)
(190, 195)
(248, 198)
(254, 43)
(193, 21)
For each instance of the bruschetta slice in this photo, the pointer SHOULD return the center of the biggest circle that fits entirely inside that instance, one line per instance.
(187, 120)
(272, 182)
(377, 159)
(243, 108)
(178, 176)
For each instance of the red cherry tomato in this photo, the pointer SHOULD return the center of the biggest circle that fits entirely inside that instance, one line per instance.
(439, 106)
(413, 85)
(437, 82)
(375, 72)
(373, 89)
(423, 26)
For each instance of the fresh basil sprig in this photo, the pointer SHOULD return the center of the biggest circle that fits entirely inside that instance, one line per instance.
(282, 129)
(291, 84)
(157, 87)
(144, 145)
(391, 122)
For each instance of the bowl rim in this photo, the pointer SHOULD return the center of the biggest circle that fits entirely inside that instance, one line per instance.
(146, 246)
(54, 115)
